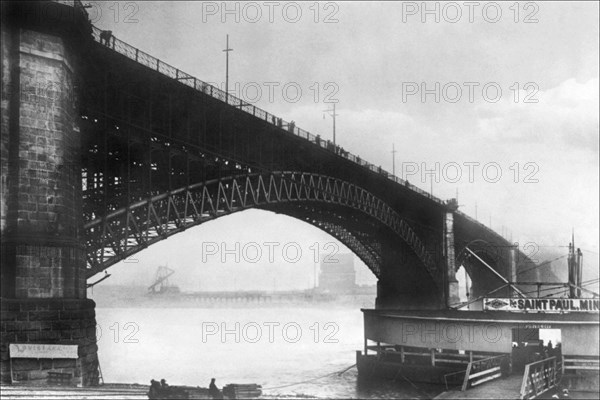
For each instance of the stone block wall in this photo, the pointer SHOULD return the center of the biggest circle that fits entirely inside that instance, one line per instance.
(42, 260)
(49, 321)
(42, 251)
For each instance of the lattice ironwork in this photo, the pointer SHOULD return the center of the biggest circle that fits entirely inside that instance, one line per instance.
(126, 231)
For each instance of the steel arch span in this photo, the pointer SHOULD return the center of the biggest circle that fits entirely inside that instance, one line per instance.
(126, 231)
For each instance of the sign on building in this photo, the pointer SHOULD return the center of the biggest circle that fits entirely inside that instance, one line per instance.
(31, 350)
(545, 305)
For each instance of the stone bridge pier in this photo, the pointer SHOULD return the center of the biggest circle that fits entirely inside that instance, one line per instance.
(43, 256)
(403, 288)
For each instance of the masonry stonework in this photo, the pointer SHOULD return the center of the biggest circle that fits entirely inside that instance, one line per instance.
(43, 255)
(55, 321)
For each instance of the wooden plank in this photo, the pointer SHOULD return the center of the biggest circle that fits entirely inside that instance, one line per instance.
(487, 371)
(408, 353)
(443, 360)
(486, 379)
(59, 393)
(466, 380)
(524, 392)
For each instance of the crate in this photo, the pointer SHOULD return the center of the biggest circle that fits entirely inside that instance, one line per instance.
(60, 378)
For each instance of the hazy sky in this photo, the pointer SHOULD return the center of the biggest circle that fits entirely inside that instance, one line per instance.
(375, 59)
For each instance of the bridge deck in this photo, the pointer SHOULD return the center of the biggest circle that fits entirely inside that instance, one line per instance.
(174, 73)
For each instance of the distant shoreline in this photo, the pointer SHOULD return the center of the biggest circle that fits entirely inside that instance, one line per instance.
(137, 297)
(162, 303)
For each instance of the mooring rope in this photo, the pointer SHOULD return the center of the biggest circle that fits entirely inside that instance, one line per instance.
(311, 380)
(427, 395)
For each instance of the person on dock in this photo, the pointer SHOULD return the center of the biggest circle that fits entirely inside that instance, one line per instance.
(505, 367)
(213, 390)
(163, 384)
(165, 389)
(155, 390)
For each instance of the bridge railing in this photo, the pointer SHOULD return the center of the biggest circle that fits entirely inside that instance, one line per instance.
(484, 370)
(154, 63)
(72, 3)
(581, 363)
(539, 377)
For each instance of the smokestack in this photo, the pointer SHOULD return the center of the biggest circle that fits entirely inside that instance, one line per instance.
(571, 262)
(578, 272)
(513, 265)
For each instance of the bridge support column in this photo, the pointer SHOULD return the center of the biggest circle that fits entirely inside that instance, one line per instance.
(404, 285)
(452, 296)
(390, 297)
(43, 255)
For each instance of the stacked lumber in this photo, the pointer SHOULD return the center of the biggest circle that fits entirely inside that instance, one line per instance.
(242, 391)
(195, 393)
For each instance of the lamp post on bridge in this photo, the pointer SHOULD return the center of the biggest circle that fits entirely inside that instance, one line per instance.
(227, 50)
(332, 113)
(393, 160)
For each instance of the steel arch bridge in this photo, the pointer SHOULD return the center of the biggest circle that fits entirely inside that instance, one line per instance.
(164, 151)
(107, 150)
(126, 231)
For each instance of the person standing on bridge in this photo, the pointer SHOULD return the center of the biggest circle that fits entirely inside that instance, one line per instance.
(107, 39)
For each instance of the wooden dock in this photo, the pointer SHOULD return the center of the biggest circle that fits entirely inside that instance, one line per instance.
(104, 392)
(504, 388)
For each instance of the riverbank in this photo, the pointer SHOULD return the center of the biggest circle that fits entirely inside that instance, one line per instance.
(122, 391)
(117, 391)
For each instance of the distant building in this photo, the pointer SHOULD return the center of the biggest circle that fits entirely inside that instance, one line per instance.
(337, 277)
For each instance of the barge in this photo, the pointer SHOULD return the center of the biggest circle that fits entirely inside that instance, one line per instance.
(467, 348)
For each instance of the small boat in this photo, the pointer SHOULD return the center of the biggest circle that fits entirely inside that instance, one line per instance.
(160, 390)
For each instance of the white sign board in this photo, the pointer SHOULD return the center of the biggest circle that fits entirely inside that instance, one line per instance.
(34, 350)
(545, 305)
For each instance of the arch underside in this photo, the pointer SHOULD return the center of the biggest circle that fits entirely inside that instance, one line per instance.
(355, 217)
(342, 225)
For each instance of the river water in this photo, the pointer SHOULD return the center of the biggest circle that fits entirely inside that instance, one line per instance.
(276, 347)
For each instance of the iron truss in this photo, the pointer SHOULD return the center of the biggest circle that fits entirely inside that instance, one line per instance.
(124, 232)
